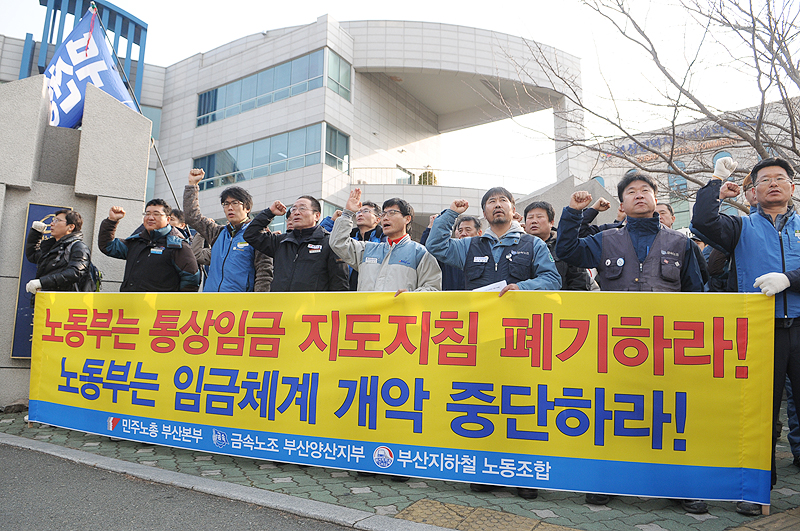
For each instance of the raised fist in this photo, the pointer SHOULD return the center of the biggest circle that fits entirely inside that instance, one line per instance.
(459, 206)
(433, 218)
(601, 205)
(724, 167)
(580, 200)
(196, 175)
(728, 188)
(277, 208)
(116, 213)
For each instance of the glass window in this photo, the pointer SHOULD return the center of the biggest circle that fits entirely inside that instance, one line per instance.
(266, 81)
(283, 75)
(286, 151)
(338, 75)
(249, 88)
(278, 148)
(289, 79)
(154, 114)
(337, 149)
(300, 69)
(261, 152)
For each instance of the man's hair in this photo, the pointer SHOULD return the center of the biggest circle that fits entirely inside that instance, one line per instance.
(237, 193)
(375, 208)
(177, 214)
(72, 217)
(544, 205)
(497, 190)
(466, 217)
(315, 206)
(632, 176)
(404, 207)
(669, 207)
(772, 161)
(160, 202)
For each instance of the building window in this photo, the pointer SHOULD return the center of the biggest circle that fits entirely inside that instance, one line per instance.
(262, 88)
(337, 149)
(268, 156)
(154, 115)
(338, 75)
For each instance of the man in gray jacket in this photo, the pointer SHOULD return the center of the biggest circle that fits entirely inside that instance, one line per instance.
(398, 264)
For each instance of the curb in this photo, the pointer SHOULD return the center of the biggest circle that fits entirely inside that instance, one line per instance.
(316, 510)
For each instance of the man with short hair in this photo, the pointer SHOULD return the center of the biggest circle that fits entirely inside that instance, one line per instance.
(157, 257)
(234, 265)
(642, 255)
(540, 219)
(367, 229)
(505, 252)
(303, 259)
(399, 264)
(466, 227)
(765, 257)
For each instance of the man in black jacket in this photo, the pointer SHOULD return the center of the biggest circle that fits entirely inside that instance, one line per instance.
(302, 258)
(61, 260)
(540, 219)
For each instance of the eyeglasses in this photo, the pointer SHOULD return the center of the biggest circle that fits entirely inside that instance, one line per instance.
(57, 220)
(366, 211)
(390, 212)
(778, 180)
(226, 204)
(153, 214)
(300, 209)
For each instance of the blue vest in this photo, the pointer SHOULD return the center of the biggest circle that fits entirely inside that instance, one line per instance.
(761, 249)
(481, 270)
(232, 263)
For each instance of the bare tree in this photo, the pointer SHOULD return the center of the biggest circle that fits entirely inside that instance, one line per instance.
(757, 38)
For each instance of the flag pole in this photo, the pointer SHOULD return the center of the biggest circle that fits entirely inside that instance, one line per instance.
(120, 68)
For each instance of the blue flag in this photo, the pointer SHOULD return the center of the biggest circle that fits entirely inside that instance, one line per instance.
(83, 57)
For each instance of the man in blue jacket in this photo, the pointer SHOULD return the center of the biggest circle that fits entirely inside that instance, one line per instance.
(505, 252)
(367, 229)
(765, 248)
(235, 265)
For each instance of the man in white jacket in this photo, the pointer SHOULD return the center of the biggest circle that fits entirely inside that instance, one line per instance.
(399, 264)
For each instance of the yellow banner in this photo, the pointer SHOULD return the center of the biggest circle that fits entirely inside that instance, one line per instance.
(576, 391)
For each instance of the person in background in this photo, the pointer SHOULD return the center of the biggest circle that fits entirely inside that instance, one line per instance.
(62, 259)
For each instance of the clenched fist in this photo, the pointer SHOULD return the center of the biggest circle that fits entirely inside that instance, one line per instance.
(116, 213)
(580, 200)
(196, 175)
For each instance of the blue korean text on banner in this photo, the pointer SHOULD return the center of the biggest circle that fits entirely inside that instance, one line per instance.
(74, 65)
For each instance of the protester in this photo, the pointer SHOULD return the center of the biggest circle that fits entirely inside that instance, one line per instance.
(398, 264)
(643, 255)
(157, 257)
(540, 219)
(303, 259)
(234, 264)
(367, 229)
(466, 227)
(178, 220)
(62, 259)
(504, 253)
(765, 258)
(667, 217)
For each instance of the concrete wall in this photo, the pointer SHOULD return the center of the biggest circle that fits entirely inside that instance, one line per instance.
(103, 164)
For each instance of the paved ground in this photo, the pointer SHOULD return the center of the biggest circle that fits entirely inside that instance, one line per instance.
(43, 492)
(445, 504)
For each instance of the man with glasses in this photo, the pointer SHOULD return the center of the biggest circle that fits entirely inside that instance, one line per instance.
(765, 249)
(302, 257)
(398, 264)
(157, 258)
(235, 266)
(367, 229)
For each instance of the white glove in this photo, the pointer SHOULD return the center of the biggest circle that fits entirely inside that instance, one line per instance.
(772, 283)
(38, 226)
(724, 167)
(33, 286)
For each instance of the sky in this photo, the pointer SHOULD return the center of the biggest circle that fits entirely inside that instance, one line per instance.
(519, 149)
